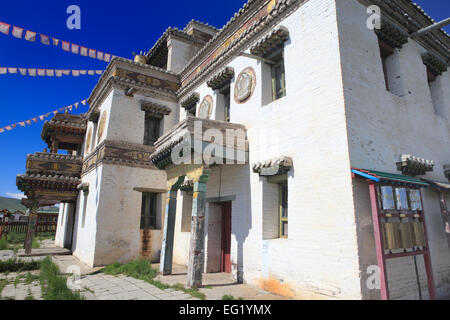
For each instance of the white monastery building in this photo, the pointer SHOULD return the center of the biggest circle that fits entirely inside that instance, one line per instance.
(304, 148)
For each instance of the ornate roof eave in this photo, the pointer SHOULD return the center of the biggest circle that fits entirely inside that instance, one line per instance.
(125, 84)
(156, 108)
(270, 42)
(434, 63)
(162, 41)
(273, 166)
(221, 78)
(74, 129)
(447, 171)
(190, 101)
(391, 34)
(104, 83)
(193, 21)
(244, 41)
(412, 18)
(227, 30)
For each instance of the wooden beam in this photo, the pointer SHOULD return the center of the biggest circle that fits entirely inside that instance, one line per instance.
(32, 220)
(379, 242)
(197, 245)
(427, 258)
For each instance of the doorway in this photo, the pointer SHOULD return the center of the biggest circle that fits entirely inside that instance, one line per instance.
(219, 238)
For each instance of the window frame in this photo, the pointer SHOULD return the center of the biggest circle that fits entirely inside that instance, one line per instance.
(225, 91)
(283, 186)
(278, 59)
(152, 214)
(151, 117)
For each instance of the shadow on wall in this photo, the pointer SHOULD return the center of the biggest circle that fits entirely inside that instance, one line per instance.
(245, 224)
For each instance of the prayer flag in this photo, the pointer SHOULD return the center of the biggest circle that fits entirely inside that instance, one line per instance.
(76, 73)
(65, 46)
(17, 32)
(75, 48)
(32, 72)
(55, 42)
(30, 36)
(45, 40)
(23, 71)
(91, 72)
(22, 124)
(3, 70)
(84, 51)
(28, 122)
(99, 55)
(83, 72)
(107, 57)
(12, 70)
(99, 72)
(50, 72)
(41, 72)
(4, 28)
(58, 73)
(92, 53)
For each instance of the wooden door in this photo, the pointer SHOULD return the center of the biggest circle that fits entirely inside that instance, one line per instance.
(226, 238)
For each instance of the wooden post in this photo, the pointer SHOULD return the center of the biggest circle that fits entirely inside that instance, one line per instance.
(445, 215)
(379, 242)
(165, 265)
(32, 219)
(197, 245)
(427, 258)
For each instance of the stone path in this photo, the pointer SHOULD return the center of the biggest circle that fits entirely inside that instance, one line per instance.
(107, 287)
(19, 289)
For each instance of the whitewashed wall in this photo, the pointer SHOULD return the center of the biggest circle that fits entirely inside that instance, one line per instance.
(320, 258)
(382, 126)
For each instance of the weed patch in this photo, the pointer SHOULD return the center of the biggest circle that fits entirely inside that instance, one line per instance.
(54, 285)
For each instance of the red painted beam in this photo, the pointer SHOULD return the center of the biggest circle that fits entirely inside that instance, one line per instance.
(379, 242)
(427, 258)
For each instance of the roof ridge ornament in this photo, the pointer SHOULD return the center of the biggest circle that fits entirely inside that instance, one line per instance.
(447, 171)
(414, 166)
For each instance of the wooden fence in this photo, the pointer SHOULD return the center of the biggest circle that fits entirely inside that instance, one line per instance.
(21, 227)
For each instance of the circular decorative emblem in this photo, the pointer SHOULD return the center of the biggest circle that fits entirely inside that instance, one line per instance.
(205, 109)
(101, 125)
(245, 85)
(88, 139)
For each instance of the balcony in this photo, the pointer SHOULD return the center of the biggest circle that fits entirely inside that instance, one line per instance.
(196, 141)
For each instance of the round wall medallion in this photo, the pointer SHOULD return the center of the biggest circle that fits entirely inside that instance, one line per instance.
(101, 125)
(245, 85)
(88, 140)
(205, 109)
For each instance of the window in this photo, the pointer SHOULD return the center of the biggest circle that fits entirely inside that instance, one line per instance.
(149, 211)
(225, 92)
(278, 76)
(151, 129)
(275, 207)
(401, 199)
(283, 194)
(386, 51)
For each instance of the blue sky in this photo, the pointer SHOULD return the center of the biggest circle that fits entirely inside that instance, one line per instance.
(109, 26)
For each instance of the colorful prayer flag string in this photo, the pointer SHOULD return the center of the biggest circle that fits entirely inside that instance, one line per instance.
(42, 117)
(45, 40)
(33, 72)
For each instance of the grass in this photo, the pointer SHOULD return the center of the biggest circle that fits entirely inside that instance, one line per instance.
(230, 297)
(54, 285)
(142, 270)
(4, 245)
(3, 283)
(25, 278)
(14, 241)
(15, 265)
